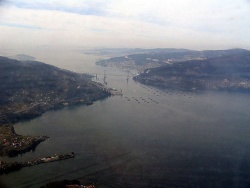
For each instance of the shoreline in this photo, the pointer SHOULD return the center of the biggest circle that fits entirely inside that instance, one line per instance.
(13, 144)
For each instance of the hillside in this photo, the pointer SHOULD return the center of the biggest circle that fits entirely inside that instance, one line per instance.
(228, 72)
(29, 88)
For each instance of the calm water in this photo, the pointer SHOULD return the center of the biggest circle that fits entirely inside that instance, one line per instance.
(147, 137)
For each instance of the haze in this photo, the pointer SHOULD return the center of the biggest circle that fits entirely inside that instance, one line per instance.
(36, 25)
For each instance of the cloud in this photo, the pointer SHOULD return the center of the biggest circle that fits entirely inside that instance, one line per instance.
(71, 6)
(126, 23)
(19, 25)
(154, 11)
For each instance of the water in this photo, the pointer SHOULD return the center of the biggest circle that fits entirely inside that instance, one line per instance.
(147, 137)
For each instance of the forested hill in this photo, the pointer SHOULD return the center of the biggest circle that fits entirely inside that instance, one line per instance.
(29, 88)
(230, 72)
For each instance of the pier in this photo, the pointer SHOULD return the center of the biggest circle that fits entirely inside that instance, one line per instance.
(13, 166)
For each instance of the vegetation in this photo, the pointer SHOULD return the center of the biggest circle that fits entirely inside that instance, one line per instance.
(30, 88)
(144, 59)
(230, 73)
(12, 144)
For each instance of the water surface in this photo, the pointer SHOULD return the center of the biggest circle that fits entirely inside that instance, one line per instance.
(147, 137)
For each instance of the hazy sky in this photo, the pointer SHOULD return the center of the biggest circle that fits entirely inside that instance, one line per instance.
(194, 24)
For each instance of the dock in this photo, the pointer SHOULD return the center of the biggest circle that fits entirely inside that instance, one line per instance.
(13, 166)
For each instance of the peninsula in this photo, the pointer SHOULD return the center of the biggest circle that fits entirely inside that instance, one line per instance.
(13, 144)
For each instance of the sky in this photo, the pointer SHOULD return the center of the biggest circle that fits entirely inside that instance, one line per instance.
(75, 24)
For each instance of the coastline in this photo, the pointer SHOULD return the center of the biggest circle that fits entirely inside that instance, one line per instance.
(13, 144)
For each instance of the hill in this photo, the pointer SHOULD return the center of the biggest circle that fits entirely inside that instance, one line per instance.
(152, 58)
(29, 88)
(23, 57)
(230, 72)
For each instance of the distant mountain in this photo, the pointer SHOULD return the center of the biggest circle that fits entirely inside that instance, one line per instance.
(29, 88)
(23, 57)
(159, 57)
(221, 70)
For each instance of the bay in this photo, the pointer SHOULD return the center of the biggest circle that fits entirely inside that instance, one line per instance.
(147, 137)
